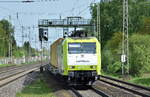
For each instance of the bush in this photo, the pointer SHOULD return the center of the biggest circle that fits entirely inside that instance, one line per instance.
(139, 54)
(115, 67)
(111, 54)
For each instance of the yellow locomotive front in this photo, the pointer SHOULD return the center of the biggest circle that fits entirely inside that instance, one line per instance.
(83, 60)
(76, 59)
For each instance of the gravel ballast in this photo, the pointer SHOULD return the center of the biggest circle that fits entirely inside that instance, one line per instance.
(12, 88)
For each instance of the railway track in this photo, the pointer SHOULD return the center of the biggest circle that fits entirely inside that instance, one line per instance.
(11, 70)
(7, 67)
(13, 73)
(78, 91)
(6, 73)
(13, 67)
(88, 92)
(129, 87)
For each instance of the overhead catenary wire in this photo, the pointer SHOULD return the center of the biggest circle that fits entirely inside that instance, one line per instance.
(19, 18)
(25, 1)
(79, 7)
(17, 1)
(86, 8)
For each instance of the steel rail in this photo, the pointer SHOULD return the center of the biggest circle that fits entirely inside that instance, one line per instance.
(100, 92)
(14, 77)
(14, 71)
(8, 69)
(17, 72)
(76, 92)
(127, 83)
(125, 88)
(25, 70)
(97, 91)
(14, 67)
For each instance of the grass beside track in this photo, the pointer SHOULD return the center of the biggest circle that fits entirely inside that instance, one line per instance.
(37, 89)
(144, 80)
(4, 65)
(141, 81)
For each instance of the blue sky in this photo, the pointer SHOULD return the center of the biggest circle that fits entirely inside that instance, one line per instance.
(29, 13)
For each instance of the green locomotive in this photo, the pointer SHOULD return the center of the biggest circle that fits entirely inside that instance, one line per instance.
(76, 59)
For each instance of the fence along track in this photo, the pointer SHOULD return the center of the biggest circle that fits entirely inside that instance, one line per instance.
(136, 89)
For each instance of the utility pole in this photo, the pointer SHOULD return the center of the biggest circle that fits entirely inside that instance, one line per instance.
(125, 42)
(10, 41)
(22, 27)
(94, 27)
(29, 43)
(35, 36)
(98, 22)
(34, 42)
(41, 54)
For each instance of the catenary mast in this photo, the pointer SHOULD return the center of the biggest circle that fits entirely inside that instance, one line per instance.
(125, 41)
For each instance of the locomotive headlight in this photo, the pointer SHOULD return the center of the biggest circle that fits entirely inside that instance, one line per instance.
(93, 67)
(71, 67)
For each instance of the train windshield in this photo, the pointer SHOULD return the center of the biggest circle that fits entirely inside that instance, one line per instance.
(85, 48)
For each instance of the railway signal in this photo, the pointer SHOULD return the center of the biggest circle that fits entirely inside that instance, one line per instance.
(43, 34)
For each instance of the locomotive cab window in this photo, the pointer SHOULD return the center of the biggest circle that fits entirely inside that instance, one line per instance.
(85, 48)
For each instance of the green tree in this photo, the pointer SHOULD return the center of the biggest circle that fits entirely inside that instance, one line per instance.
(139, 54)
(112, 16)
(146, 27)
(28, 49)
(6, 37)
